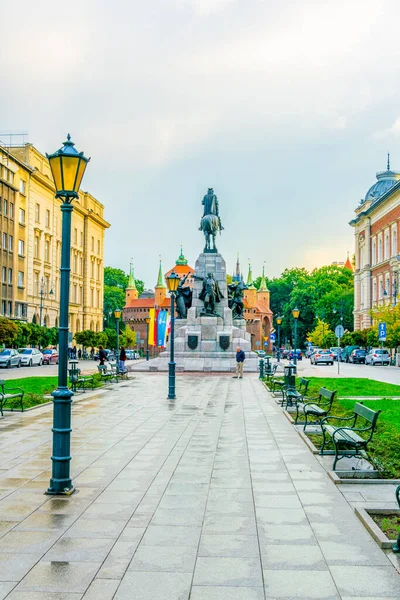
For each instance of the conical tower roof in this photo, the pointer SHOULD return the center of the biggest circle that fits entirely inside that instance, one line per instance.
(160, 279)
(348, 264)
(250, 280)
(263, 285)
(131, 281)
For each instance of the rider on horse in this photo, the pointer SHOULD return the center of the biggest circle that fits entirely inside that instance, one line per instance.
(210, 203)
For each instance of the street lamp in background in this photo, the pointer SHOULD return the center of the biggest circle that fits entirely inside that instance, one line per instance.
(172, 283)
(67, 168)
(148, 319)
(279, 322)
(43, 292)
(295, 313)
(117, 315)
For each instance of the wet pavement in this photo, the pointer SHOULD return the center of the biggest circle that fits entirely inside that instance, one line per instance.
(213, 496)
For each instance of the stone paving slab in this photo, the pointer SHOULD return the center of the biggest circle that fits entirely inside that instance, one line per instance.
(213, 496)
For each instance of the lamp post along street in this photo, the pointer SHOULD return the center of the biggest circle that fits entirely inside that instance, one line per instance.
(67, 167)
(147, 337)
(295, 313)
(172, 283)
(278, 322)
(117, 315)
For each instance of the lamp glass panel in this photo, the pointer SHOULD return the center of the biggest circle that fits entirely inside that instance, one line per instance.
(296, 313)
(79, 177)
(173, 282)
(55, 166)
(70, 166)
(117, 314)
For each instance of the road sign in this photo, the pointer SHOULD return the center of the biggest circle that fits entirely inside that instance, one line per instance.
(339, 331)
(258, 343)
(272, 337)
(382, 332)
(265, 343)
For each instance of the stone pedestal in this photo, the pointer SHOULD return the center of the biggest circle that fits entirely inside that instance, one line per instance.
(208, 343)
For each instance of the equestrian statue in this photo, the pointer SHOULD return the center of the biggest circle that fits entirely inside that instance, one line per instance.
(210, 222)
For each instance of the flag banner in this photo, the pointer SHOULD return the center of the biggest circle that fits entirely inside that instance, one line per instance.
(168, 324)
(151, 327)
(161, 328)
(155, 338)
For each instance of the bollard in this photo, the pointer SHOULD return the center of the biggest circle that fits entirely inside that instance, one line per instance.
(261, 365)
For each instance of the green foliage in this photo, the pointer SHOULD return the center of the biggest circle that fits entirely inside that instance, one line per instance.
(115, 284)
(86, 338)
(111, 335)
(322, 336)
(354, 386)
(8, 331)
(100, 339)
(326, 292)
(391, 316)
(115, 278)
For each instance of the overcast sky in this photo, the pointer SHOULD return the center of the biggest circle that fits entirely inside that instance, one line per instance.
(286, 108)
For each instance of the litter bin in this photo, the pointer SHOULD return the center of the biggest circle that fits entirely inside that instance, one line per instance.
(261, 367)
(290, 375)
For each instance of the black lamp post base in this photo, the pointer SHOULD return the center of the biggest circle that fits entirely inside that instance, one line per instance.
(171, 381)
(62, 486)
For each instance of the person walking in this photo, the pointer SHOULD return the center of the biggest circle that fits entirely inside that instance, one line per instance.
(102, 356)
(79, 354)
(240, 356)
(122, 359)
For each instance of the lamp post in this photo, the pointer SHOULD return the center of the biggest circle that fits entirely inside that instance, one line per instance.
(172, 283)
(117, 315)
(295, 313)
(279, 322)
(67, 167)
(42, 294)
(147, 337)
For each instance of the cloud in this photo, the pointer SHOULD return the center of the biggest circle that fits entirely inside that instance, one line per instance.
(206, 7)
(394, 131)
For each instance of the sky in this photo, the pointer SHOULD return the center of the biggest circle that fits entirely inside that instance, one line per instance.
(287, 109)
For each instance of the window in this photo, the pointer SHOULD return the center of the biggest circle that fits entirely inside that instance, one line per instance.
(47, 251)
(37, 213)
(4, 307)
(22, 216)
(387, 246)
(11, 177)
(21, 247)
(374, 291)
(394, 242)
(380, 250)
(92, 270)
(5, 207)
(98, 246)
(75, 236)
(10, 243)
(92, 296)
(47, 220)
(20, 279)
(11, 210)
(81, 239)
(98, 298)
(22, 186)
(5, 241)
(10, 276)
(75, 271)
(81, 265)
(36, 283)
(92, 244)
(4, 274)
(36, 247)
(373, 257)
(75, 293)
(10, 309)
(380, 289)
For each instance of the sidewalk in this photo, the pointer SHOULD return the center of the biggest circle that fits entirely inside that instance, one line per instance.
(213, 497)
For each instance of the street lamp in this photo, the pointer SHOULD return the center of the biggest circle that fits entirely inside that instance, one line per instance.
(279, 322)
(172, 283)
(43, 293)
(67, 167)
(117, 315)
(295, 313)
(148, 319)
(394, 291)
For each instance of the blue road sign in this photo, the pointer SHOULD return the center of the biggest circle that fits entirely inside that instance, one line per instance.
(272, 337)
(265, 343)
(382, 332)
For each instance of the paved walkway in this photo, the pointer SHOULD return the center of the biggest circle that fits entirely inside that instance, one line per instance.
(214, 497)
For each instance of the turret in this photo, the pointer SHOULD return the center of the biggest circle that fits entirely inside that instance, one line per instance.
(250, 295)
(263, 291)
(131, 292)
(160, 291)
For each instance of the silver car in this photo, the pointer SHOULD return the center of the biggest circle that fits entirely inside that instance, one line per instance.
(31, 356)
(378, 356)
(321, 356)
(10, 358)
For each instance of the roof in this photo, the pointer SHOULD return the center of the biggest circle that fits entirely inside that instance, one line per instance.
(131, 282)
(181, 260)
(141, 303)
(180, 270)
(263, 284)
(348, 264)
(160, 281)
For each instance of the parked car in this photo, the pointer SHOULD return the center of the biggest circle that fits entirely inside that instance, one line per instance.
(336, 351)
(285, 353)
(358, 357)
(322, 356)
(347, 350)
(10, 358)
(50, 357)
(261, 353)
(31, 356)
(299, 355)
(378, 356)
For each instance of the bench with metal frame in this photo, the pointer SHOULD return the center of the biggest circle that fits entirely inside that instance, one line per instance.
(79, 381)
(317, 408)
(346, 438)
(10, 393)
(292, 396)
(108, 373)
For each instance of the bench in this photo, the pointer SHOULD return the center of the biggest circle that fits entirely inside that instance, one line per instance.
(291, 396)
(9, 393)
(346, 438)
(318, 407)
(108, 373)
(80, 381)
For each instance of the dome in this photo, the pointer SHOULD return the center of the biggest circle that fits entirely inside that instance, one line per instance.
(386, 180)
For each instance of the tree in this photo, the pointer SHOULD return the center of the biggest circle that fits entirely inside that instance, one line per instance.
(391, 316)
(8, 331)
(322, 336)
(115, 278)
(130, 337)
(100, 339)
(24, 334)
(111, 337)
(86, 338)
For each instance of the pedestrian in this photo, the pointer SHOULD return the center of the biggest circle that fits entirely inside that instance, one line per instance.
(102, 355)
(122, 359)
(240, 356)
(79, 354)
(74, 352)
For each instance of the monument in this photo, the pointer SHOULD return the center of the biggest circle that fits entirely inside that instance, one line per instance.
(209, 324)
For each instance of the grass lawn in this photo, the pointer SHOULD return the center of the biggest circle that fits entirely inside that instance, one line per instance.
(353, 386)
(36, 388)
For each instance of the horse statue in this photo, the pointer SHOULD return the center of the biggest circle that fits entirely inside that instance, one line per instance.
(210, 222)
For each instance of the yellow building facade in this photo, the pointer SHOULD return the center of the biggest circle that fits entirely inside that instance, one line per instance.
(37, 241)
